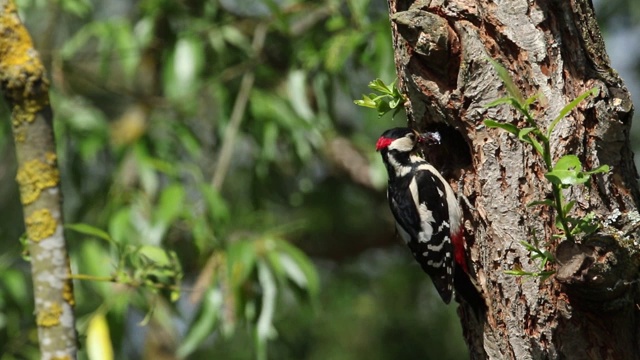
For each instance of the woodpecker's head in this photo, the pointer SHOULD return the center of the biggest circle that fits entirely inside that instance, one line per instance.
(404, 140)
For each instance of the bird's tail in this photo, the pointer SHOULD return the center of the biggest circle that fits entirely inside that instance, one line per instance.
(467, 289)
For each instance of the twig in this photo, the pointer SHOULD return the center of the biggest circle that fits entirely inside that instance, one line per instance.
(231, 132)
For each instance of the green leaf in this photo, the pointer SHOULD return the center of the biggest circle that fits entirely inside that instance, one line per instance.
(547, 202)
(586, 225)
(544, 275)
(528, 246)
(339, 47)
(568, 162)
(568, 206)
(98, 341)
(380, 86)
(89, 230)
(293, 271)
(394, 103)
(602, 169)
(204, 323)
(504, 126)
(536, 145)
(516, 272)
(570, 106)
(567, 171)
(241, 259)
(524, 132)
(79, 8)
(503, 100)
(304, 265)
(512, 89)
(526, 136)
(530, 100)
(232, 35)
(156, 254)
(181, 73)
(366, 102)
(217, 209)
(383, 107)
(267, 310)
(169, 205)
(120, 227)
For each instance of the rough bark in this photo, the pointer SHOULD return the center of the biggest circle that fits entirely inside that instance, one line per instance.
(587, 310)
(25, 87)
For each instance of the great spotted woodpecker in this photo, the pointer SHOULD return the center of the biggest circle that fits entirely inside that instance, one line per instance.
(426, 210)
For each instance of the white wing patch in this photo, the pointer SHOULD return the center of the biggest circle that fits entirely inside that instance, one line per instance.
(455, 216)
(426, 215)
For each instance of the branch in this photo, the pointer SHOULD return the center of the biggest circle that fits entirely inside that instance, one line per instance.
(237, 114)
(26, 89)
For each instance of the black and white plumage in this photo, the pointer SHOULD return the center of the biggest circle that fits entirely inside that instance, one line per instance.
(425, 208)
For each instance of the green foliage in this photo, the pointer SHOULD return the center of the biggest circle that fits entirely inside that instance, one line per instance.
(565, 172)
(143, 95)
(389, 98)
(544, 256)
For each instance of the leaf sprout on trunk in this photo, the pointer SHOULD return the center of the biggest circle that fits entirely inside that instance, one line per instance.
(565, 172)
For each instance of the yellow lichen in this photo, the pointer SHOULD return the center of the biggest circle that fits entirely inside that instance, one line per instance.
(15, 41)
(50, 157)
(67, 292)
(20, 135)
(49, 317)
(40, 225)
(21, 71)
(35, 176)
(62, 357)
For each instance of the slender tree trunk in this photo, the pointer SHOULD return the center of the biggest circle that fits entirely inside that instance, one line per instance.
(587, 309)
(26, 89)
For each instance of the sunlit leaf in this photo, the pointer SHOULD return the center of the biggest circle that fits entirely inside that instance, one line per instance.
(298, 95)
(303, 264)
(501, 101)
(241, 260)
(602, 169)
(204, 323)
(169, 205)
(181, 73)
(504, 126)
(89, 230)
(541, 202)
(568, 206)
(339, 48)
(120, 227)
(216, 206)
(265, 319)
(512, 89)
(99, 346)
(567, 171)
(80, 8)
(570, 106)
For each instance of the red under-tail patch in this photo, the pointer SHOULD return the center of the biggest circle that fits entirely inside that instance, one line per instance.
(459, 251)
(382, 143)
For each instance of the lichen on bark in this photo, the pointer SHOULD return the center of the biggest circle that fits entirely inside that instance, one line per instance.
(25, 88)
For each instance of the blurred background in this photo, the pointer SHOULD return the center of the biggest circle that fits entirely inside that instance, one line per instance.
(223, 191)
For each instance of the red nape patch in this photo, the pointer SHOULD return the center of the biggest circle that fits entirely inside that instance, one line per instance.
(382, 143)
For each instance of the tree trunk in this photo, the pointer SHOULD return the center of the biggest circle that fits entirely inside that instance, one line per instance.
(25, 87)
(587, 309)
